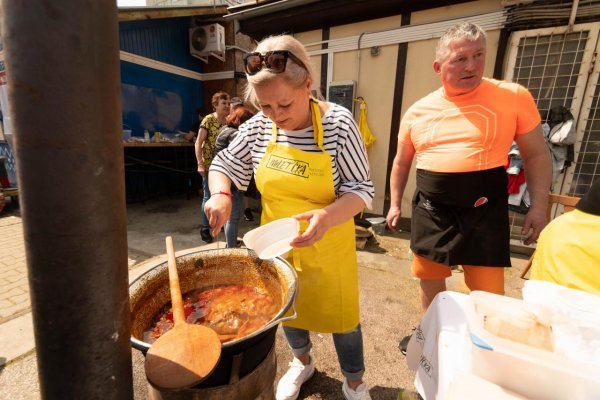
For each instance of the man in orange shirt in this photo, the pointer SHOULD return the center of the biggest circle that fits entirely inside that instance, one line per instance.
(461, 135)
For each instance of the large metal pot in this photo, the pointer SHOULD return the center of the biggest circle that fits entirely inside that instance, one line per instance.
(204, 269)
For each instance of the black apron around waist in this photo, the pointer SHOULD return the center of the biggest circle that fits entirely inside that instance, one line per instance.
(462, 218)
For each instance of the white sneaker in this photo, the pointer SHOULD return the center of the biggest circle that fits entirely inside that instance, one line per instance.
(361, 392)
(289, 385)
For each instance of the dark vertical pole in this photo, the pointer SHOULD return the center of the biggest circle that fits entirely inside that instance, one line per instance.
(501, 53)
(62, 62)
(396, 112)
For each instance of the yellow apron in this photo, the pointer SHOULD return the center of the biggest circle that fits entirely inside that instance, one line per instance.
(292, 181)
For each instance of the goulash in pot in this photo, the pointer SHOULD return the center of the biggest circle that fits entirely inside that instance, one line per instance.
(233, 311)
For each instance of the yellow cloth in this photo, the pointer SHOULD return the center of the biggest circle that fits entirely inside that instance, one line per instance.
(568, 252)
(293, 181)
(363, 127)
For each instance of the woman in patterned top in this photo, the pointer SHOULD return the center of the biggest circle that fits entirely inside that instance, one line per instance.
(310, 163)
(205, 150)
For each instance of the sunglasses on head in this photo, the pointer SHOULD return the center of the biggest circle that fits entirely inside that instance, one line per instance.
(274, 61)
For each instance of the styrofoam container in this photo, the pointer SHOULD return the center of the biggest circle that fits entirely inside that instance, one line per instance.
(273, 239)
(529, 371)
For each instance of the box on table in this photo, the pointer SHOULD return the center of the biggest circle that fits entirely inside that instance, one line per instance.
(526, 370)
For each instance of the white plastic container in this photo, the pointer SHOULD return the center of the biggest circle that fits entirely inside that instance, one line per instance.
(273, 239)
(526, 370)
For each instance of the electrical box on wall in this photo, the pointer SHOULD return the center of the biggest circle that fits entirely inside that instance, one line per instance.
(342, 93)
(207, 40)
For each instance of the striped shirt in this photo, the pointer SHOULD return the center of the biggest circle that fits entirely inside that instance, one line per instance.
(341, 140)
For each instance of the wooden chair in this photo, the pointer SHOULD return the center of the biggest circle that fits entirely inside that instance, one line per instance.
(568, 204)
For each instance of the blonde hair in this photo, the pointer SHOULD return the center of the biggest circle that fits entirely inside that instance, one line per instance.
(294, 74)
(462, 30)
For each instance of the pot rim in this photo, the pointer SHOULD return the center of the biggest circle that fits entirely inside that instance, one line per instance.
(279, 317)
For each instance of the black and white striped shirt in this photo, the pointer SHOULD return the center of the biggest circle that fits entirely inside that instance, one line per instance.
(341, 140)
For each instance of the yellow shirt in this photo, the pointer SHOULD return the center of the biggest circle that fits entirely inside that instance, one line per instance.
(568, 252)
(212, 126)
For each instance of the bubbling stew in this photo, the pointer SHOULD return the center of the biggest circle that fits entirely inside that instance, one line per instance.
(233, 311)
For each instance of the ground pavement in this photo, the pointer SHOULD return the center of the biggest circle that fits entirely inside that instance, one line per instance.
(389, 303)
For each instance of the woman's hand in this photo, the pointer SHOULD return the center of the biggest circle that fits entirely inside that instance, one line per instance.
(319, 222)
(201, 169)
(217, 210)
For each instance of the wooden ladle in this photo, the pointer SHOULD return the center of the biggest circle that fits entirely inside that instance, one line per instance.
(186, 354)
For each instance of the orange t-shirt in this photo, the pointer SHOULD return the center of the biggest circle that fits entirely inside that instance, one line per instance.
(470, 132)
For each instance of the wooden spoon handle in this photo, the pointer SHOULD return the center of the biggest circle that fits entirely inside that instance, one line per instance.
(176, 300)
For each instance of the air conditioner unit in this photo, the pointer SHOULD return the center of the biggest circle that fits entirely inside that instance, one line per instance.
(207, 40)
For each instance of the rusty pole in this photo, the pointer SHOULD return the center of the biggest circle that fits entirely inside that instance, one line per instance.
(62, 62)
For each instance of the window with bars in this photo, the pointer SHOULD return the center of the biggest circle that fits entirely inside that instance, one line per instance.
(549, 66)
(553, 64)
(587, 167)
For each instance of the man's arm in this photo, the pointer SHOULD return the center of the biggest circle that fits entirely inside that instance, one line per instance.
(398, 179)
(202, 134)
(538, 174)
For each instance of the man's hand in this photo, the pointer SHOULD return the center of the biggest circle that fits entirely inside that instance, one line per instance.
(393, 217)
(535, 221)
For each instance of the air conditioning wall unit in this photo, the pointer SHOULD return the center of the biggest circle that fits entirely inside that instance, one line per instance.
(207, 40)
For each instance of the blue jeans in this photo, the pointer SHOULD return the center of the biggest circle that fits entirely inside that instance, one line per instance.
(348, 345)
(233, 223)
(205, 197)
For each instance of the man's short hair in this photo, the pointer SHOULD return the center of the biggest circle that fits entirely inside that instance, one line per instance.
(462, 30)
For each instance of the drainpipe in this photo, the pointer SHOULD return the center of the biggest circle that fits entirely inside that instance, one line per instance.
(573, 15)
(358, 59)
(62, 63)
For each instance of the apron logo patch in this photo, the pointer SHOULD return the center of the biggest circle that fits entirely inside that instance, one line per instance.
(288, 165)
(428, 206)
(480, 201)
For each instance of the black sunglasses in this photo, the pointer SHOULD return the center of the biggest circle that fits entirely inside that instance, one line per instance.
(274, 61)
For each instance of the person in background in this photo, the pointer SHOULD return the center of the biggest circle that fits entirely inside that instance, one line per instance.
(190, 136)
(567, 252)
(291, 132)
(251, 191)
(461, 135)
(240, 115)
(205, 150)
(235, 103)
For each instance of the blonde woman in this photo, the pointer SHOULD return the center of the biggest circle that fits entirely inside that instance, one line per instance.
(309, 163)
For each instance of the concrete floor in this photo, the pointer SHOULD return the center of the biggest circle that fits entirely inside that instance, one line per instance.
(389, 305)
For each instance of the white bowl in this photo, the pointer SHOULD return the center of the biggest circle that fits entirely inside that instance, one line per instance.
(273, 239)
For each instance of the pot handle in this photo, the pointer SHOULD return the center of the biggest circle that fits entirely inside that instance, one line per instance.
(277, 321)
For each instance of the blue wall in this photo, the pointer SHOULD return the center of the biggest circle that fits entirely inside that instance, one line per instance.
(153, 99)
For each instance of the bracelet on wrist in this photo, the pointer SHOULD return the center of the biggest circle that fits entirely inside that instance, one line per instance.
(223, 193)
